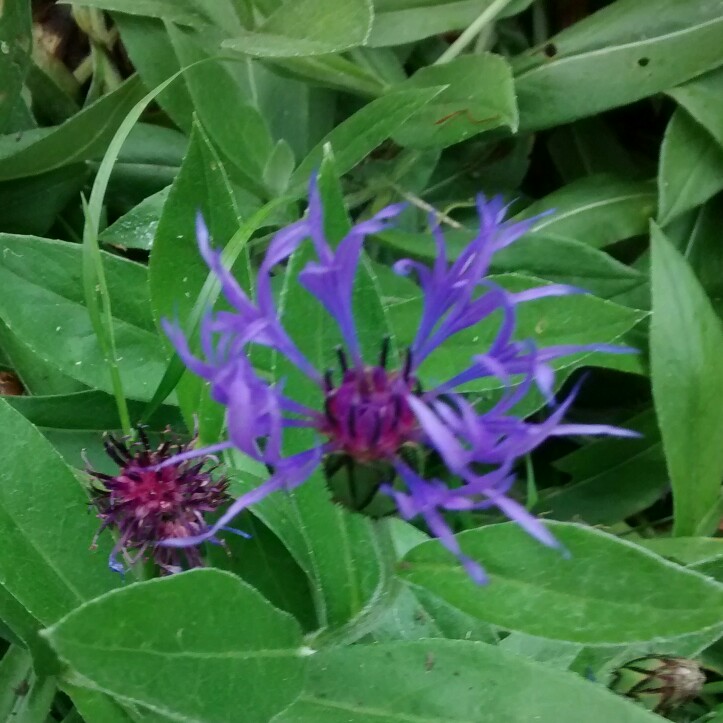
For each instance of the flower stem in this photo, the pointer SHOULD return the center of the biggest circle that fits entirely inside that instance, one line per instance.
(486, 16)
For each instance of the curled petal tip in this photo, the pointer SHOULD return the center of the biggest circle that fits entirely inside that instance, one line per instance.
(116, 566)
(186, 541)
(621, 432)
(474, 570)
(202, 235)
(234, 531)
(170, 326)
(392, 210)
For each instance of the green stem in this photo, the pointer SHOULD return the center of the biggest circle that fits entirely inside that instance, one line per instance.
(486, 16)
(373, 610)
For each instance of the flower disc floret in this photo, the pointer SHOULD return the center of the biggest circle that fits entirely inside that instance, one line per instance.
(367, 416)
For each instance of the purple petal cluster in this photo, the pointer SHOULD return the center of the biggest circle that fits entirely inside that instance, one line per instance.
(367, 410)
(155, 497)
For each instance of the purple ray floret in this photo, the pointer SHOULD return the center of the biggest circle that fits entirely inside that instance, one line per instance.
(368, 410)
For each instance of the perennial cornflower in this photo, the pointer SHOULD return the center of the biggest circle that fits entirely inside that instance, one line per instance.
(147, 504)
(366, 410)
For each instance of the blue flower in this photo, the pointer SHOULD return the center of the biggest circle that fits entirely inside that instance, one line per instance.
(367, 410)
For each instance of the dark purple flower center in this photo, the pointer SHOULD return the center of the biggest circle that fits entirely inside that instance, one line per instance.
(147, 505)
(148, 493)
(368, 416)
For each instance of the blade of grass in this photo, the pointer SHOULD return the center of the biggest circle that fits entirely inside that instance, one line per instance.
(99, 310)
(95, 287)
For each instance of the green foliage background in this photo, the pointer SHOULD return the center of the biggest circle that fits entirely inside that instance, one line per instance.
(121, 118)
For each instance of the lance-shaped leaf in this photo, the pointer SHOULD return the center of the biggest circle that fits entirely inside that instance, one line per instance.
(606, 591)
(449, 681)
(686, 349)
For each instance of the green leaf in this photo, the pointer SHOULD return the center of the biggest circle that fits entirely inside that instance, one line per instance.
(31, 205)
(150, 49)
(137, 228)
(20, 627)
(686, 550)
(97, 707)
(16, 43)
(184, 12)
(44, 561)
(147, 162)
(347, 557)
(697, 235)
(590, 146)
(691, 167)
(74, 423)
(313, 108)
(686, 347)
(539, 254)
(23, 695)
(204, 630)
(607, 592)
(266, 564)
(82, 416)
(153, 55)
(626, 51)
(38, 376)
(596, 210)
(43, 305)
(307, 28)
(82, 137)
(568, 261)
(15, 668)
(35, 706)
(554, 653)
(416, 614)
(237, 128)
(712, 568)
(703, 99)
(53, 88)
(332, 71)
(20, 118)
(177, 271)
(478, 96)
(55, 265)
(357, 136)
(279, 167)
(398, 22)
(611, 478)
(400, 25)
(449, 681)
